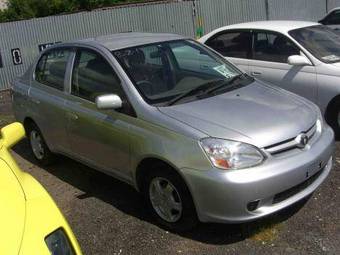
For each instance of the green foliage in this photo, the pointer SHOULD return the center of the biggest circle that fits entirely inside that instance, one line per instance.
(27, 9)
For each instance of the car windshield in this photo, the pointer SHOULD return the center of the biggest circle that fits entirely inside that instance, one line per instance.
(321, 41)
(167, 71)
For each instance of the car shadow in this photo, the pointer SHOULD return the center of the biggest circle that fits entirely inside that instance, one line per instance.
(126, 199)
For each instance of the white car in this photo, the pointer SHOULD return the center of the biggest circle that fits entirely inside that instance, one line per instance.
(302, 57)
(332, 19)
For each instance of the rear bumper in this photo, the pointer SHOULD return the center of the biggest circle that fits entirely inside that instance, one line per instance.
(227, 196)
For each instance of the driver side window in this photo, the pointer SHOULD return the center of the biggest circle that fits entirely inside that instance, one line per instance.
(273, 47)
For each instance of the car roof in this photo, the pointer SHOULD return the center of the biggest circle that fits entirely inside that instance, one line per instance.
(130, 39)
(283, 26)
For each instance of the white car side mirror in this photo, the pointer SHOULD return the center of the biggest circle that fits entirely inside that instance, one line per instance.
(297, 60)
(110, 101)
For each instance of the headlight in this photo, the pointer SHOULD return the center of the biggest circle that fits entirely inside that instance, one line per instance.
(58, 243)
(319, 122)
(226, 154)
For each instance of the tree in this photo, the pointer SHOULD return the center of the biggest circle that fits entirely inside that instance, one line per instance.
(27, 9)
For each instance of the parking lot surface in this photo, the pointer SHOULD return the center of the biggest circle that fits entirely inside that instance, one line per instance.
(110, 217)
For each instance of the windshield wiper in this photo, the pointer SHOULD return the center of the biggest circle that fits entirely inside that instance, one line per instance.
(228, 83)
(195, 91)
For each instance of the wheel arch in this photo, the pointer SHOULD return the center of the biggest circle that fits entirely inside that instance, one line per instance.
(142, 169)
(145, 164)
(330, 107)
(28, 121)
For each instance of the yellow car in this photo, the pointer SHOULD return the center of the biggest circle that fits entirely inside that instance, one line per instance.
(30, 221)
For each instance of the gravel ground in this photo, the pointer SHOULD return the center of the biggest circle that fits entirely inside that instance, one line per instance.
(109, 217)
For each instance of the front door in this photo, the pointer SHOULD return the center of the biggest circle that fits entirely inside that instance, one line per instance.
(269, 63)
(97, 137)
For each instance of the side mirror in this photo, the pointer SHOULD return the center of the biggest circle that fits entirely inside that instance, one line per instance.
(11, 134)
(110, 101)
(297, 60)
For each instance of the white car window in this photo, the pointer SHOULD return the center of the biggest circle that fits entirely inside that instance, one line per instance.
(273, 47)
(235, 44)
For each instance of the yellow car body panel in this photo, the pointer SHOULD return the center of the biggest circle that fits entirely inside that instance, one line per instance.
(28, 214)
(12, 213)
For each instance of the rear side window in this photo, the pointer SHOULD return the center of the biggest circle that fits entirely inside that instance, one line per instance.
(232, 44)
(93, 76)
(273, 47)
(51, 68)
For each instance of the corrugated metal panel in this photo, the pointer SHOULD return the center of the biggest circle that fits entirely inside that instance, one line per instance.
(217, 13)
(176, 17)
(173, 17)
(310, 10)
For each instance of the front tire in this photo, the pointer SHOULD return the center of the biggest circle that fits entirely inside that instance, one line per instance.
(169, 200)
(39, 148)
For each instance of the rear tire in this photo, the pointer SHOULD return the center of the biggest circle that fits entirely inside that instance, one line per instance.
(182, 214)
(39, 148)
(333, 118)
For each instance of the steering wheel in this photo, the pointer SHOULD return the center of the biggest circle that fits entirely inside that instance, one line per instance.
(146, 86)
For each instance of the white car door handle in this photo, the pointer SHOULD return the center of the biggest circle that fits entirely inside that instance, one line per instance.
(256, 73)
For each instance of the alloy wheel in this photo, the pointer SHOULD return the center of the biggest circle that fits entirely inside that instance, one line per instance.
(37, 145)
(165, 199)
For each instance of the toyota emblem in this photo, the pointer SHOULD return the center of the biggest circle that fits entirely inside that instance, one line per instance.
(302, 140)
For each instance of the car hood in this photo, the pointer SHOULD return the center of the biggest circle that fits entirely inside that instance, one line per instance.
(258, 114)
(329, 69)
(337, 64)
(12, 213)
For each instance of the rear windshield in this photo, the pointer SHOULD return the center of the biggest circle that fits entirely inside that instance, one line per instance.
(321, 41)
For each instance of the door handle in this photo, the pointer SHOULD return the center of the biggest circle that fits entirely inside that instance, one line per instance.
(256, 73)
(73, 116)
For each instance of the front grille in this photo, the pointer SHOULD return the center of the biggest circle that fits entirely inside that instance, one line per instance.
(289, 144)
(296, 189)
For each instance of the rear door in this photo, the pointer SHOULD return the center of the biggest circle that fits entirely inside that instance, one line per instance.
(234, 45)
(269, 63)
(46, 97)
(98, 137)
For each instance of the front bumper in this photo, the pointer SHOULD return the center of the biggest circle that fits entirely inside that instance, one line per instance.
(226, 196)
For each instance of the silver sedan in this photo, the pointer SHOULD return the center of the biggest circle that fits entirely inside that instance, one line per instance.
(198, 137)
